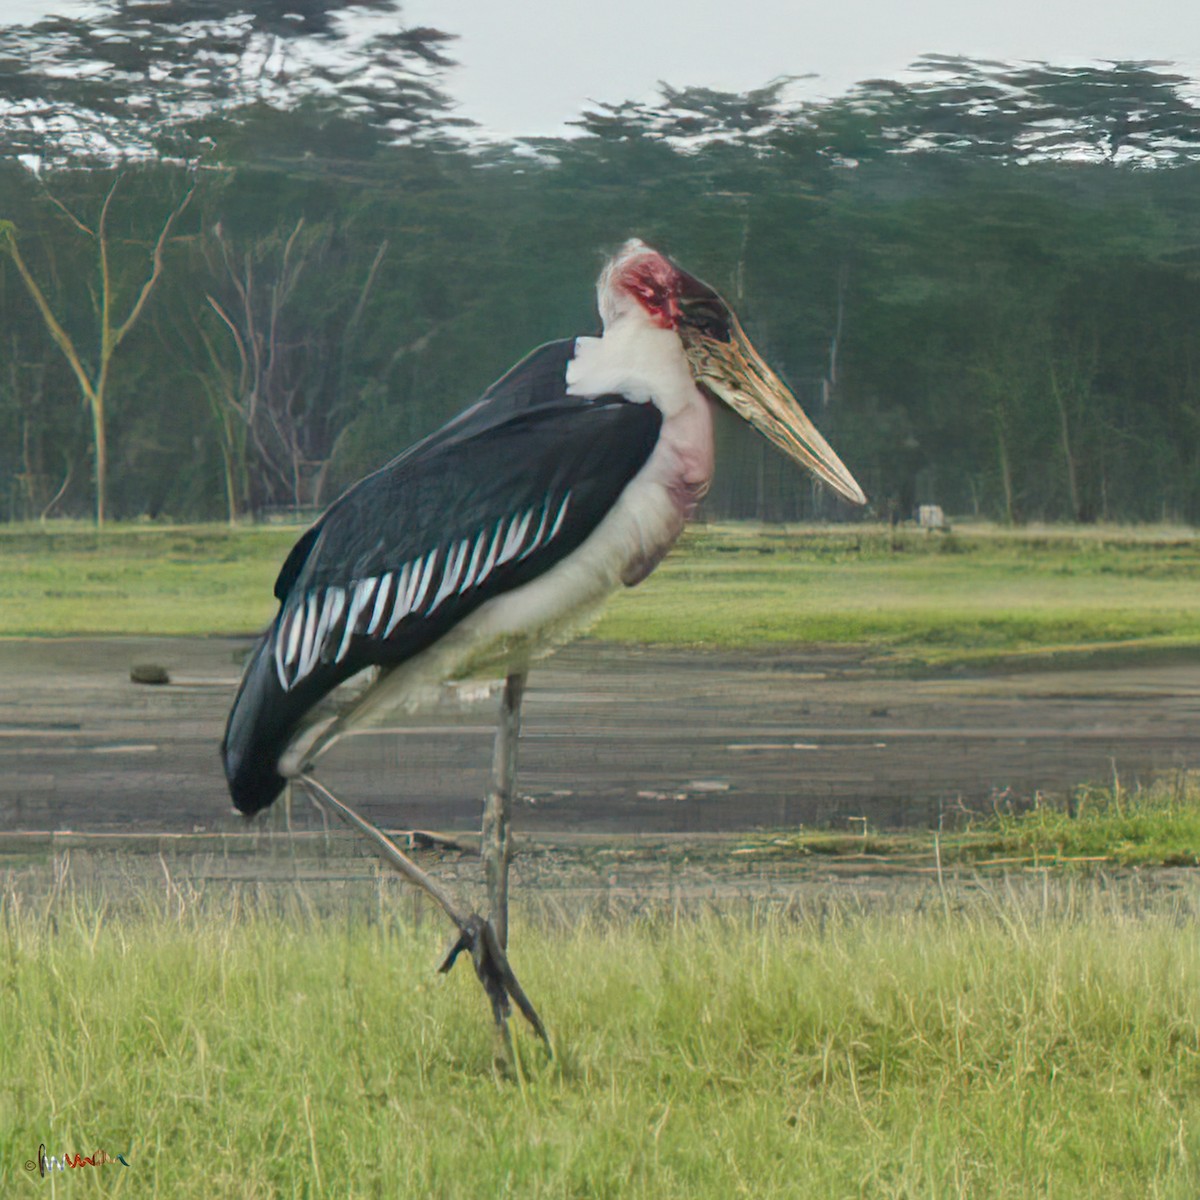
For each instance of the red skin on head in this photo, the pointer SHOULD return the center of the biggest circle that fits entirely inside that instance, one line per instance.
(654, 283)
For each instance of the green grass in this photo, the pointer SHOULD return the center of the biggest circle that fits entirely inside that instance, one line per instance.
(1153, 825)
(976, 595)
(183, 580)
(1157, 825)
(1032, 1043)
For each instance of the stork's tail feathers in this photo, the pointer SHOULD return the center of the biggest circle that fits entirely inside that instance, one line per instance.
(260, 725)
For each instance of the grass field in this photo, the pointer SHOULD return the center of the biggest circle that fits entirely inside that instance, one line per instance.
(1018, 1040)
(974, 595)
(1013, 1029)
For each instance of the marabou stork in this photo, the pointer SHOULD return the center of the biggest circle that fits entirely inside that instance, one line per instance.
(495, 539)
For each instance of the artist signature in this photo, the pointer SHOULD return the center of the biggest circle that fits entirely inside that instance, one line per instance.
(51, 1162)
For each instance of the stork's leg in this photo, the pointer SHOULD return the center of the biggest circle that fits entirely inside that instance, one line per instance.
(496, 848)
(474, 933)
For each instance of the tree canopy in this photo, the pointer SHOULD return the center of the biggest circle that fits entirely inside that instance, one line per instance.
(983, 280)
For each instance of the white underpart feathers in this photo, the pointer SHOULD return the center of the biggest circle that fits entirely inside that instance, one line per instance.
(319, 625)
(638, 360)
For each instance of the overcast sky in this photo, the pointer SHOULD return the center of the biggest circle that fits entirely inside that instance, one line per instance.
(526, 66)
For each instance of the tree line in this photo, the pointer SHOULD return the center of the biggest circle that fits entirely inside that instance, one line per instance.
(257, 254)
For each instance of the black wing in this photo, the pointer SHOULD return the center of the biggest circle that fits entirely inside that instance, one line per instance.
(486, 504)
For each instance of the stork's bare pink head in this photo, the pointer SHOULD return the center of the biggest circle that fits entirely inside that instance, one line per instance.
(638, 281)
(640, 278)
(642, 275)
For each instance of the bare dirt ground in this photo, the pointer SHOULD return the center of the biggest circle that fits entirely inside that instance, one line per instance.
(615, 740)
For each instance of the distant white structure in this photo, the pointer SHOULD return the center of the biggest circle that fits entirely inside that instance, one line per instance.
(930, 516)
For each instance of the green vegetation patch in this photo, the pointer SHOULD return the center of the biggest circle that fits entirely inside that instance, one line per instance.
(903, 598)
(910, 599)
(1155, 825)
(138, 579)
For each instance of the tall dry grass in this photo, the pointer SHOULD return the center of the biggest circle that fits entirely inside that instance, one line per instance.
(1010, 1039)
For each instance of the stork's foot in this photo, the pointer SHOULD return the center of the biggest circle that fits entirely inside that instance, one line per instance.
(475, 934)
(491, 966)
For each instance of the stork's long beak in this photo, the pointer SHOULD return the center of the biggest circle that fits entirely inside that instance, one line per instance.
(723, 360)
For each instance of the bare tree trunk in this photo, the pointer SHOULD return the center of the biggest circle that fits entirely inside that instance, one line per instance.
(1065, 427)
(1005, 471)
(100, 445)
(271, 399)
(230, 470)
(93, 385)
(831, 375)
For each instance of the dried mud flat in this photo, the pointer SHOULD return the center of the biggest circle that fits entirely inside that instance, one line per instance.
(616, 740)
